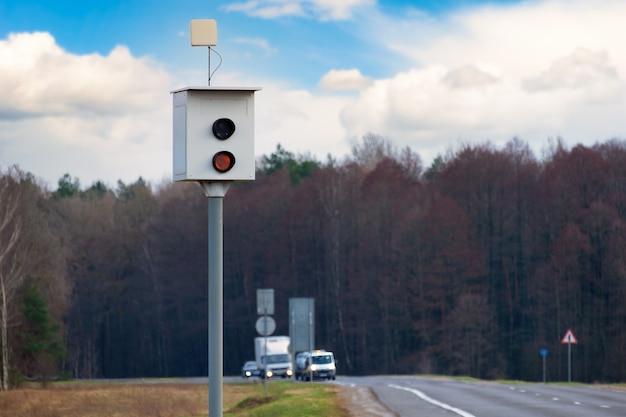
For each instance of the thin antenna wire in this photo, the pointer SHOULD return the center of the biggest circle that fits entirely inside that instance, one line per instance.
(209, 66)
(218, 65)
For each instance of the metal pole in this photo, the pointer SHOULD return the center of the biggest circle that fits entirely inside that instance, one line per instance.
(569, 362)
(265, 357)
(292, 332)
(216, 336)
(310, 344)
(544, 369)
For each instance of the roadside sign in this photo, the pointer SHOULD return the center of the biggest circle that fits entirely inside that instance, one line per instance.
(544, 352)
(569, 338)
(265, 325)
(265, 301)
(301, 325)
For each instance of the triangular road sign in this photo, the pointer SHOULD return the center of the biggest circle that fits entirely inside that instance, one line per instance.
(569, 338)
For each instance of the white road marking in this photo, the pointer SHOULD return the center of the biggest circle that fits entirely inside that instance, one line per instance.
(428, 399)
(576, 402)
(522, 390)
(512, 388)
(537, 394)
(604, 406)
(555, 399)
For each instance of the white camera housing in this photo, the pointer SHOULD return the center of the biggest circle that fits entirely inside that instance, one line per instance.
(195, 110)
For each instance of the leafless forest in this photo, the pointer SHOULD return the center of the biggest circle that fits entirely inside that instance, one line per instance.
(467, 266)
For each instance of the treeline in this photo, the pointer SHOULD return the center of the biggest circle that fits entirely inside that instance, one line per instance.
(466, 267)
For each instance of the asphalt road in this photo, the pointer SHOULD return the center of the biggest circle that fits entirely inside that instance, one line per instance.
(426, 397)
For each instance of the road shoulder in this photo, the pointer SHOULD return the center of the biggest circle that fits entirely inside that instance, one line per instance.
(361, 401)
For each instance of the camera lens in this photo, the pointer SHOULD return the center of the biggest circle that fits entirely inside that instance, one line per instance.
(223, 161)
(223, 128)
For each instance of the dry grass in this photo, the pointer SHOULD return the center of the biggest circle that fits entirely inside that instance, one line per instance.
(79, 399)
(112, 400)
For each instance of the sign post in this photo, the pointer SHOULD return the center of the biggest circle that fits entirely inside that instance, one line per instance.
(311, 345)
(544, 352)
(265, 325)
(570, 340)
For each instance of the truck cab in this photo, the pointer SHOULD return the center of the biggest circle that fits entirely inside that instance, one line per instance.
(320, 364)
(276, 365)
(272, 356)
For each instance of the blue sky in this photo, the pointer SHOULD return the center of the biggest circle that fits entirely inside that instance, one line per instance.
(302, 47)
(86, 84)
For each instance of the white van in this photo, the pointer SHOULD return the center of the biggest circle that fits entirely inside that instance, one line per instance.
(320, 365)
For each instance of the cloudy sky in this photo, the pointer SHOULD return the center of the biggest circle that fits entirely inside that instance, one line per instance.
(85, 85)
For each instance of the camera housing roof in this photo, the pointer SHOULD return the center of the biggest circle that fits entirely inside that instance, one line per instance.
(195, 112)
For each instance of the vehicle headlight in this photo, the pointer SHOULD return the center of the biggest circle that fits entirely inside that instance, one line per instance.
(314, 367)
(269, 374)
(248, 373)
(289, 372)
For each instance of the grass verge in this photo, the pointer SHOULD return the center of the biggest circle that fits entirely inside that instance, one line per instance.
(170, 400)
(613, 386)
(289, 399)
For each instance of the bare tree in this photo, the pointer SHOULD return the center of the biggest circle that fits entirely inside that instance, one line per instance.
(10, 273)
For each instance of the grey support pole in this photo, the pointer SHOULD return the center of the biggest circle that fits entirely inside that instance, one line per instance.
(265, 351)
(215, 193)
(216, 325)
(310, 345)
(569, 362)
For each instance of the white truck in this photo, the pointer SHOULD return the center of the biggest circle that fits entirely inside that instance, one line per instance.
(272, 356)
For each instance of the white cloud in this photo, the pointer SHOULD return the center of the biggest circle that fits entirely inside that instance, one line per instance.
(267, 9)
(303, 122)
(300, 121)
(339, 9)
(259, 43)
(469, 76)
(320, 9)
(579, 70)
(536, 69)
(109, 117)
(345, 80)
(91, 115)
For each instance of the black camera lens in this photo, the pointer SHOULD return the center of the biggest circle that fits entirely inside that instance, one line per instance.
(223, 128)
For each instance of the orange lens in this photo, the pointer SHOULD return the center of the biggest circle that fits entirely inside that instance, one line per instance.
(223, 161)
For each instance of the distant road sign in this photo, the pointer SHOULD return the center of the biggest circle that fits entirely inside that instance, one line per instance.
(544, 352)
(569, 338)
(265, 301)
(265, 325)
(301, 324)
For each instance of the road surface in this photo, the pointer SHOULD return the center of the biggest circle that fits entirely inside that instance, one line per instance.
(412, 396)
(431, 397)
